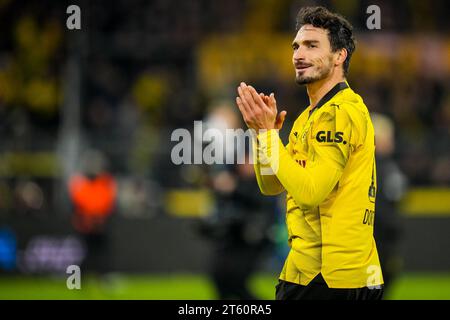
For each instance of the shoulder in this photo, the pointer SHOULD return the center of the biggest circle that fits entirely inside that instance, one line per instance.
(348, 107)
(346, 112)
(353, 104)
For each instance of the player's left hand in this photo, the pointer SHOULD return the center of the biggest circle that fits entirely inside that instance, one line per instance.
(256, 113)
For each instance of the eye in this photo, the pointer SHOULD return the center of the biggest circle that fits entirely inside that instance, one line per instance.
(312, 46)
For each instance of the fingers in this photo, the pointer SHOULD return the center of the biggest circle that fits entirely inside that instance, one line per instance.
(257, 98)
(280, 120)
(269, 101)
(241, 108)
(246, 115)
(244, 103)
(257, 107)
(250, 95)
(246, 96)
(272, 103)
(264, 98)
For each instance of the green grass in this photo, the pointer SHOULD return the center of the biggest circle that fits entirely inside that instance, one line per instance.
(185, 286)
(420, 286)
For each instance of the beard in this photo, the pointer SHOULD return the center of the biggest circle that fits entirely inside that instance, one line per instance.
(320, 74)
(301, 80)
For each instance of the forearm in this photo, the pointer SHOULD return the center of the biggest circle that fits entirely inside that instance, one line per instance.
(309, 185)
(268, 183)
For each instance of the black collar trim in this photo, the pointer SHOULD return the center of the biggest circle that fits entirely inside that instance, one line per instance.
(338, 87)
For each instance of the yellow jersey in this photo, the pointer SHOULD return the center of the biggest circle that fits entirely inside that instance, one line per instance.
(328, 170)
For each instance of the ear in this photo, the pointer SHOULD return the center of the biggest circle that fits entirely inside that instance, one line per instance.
(341, 56)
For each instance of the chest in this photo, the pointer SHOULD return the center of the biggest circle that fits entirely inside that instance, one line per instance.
(300, 138)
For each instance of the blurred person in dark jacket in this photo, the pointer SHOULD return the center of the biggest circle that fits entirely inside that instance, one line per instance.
(392, 185)
(241, 224)
(243, 221)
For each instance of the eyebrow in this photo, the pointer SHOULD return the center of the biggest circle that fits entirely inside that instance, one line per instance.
(295, 43)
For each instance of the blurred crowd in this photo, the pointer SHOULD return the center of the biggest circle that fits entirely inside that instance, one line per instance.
(148, 67)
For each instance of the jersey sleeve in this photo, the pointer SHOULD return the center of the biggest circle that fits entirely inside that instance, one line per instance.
(267, 181)
(330, 143)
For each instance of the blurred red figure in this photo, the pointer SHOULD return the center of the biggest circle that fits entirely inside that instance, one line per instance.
(94, 198)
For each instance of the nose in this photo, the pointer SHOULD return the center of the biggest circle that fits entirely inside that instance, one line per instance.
(298, 55)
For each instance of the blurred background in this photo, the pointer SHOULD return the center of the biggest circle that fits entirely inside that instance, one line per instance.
(86, 117)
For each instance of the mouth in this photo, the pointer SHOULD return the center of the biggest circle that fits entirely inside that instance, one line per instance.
(302, 66)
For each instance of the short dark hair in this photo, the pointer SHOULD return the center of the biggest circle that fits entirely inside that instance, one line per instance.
(340, 31)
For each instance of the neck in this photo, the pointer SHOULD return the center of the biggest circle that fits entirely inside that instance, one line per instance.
(318, 89)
